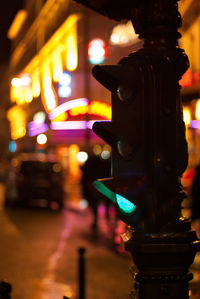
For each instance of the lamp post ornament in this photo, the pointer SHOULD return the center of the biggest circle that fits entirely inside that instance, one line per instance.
(149, 150)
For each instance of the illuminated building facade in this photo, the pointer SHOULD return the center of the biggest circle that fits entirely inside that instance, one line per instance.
(55, 44)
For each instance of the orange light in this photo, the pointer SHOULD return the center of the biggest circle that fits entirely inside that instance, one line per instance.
(100, 109)
(94, 108)
(186, 80)
(17, 24)
(82, 110)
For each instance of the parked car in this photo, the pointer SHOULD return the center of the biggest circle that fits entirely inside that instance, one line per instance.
(36, 181)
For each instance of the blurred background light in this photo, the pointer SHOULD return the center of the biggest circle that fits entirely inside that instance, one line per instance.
(39, 117)
(105, 154)
(16, 82)
(186, 116)
(12, 146)
(82, 157)
(25, 80)
(124, 35)
(64, 91)
(41, 139)
(97, 149)
(17, 24)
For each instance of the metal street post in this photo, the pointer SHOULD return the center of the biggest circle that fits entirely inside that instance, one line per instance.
(149, 150)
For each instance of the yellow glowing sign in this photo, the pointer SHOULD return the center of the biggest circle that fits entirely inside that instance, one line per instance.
(35, 84)
(94, 108)
(63, 43)
(57, 64)
(49, 97)
(17, 119)
(28, 95)
(71, 49)
(20, 90)
(62, 117)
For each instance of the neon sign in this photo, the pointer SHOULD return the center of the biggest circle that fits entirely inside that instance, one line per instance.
(94, 108)
(72, 125)
(80, 107)
(67, 106)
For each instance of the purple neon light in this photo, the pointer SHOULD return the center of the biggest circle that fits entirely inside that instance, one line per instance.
(67, 106)
(68, 125)
(195, 124)
(33, 124)
(37, 129)
(72, 125)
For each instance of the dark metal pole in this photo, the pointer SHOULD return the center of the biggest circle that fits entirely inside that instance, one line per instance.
(163, 247)
(81, 272)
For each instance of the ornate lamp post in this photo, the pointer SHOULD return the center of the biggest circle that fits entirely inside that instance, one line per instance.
(147, 134)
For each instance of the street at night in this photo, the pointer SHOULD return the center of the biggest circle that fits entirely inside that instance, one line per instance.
(39, 253)
(99, 149)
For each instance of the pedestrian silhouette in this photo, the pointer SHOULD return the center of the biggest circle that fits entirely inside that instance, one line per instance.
(95, 168)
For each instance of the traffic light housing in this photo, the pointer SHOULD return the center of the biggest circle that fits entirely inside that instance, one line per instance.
(146, 157)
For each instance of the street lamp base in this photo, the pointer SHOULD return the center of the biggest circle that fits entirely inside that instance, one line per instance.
(162, 262)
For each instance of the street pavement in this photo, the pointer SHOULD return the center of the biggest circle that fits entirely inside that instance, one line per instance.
(39, 252)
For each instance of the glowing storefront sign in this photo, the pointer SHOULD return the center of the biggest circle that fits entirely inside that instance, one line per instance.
(67, 106)
(80, 107)
(57, 63)
(35, 84)
(71, 46)
(62, 43)
(94, 108)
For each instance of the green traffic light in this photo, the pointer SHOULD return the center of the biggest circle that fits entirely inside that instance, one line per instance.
(124, 204)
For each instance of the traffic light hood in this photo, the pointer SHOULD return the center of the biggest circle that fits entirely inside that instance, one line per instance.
(117, 10)
(112, 76)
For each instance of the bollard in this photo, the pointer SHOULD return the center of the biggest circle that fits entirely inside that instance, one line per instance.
(5, 290)
(81, 272)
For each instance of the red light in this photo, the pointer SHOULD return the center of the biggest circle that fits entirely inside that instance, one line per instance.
(97, 51)
(186, 80)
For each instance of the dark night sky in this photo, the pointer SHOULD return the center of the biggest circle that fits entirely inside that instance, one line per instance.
(7, 13)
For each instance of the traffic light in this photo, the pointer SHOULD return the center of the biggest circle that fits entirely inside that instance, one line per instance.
(97, 51)
(145, 155)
